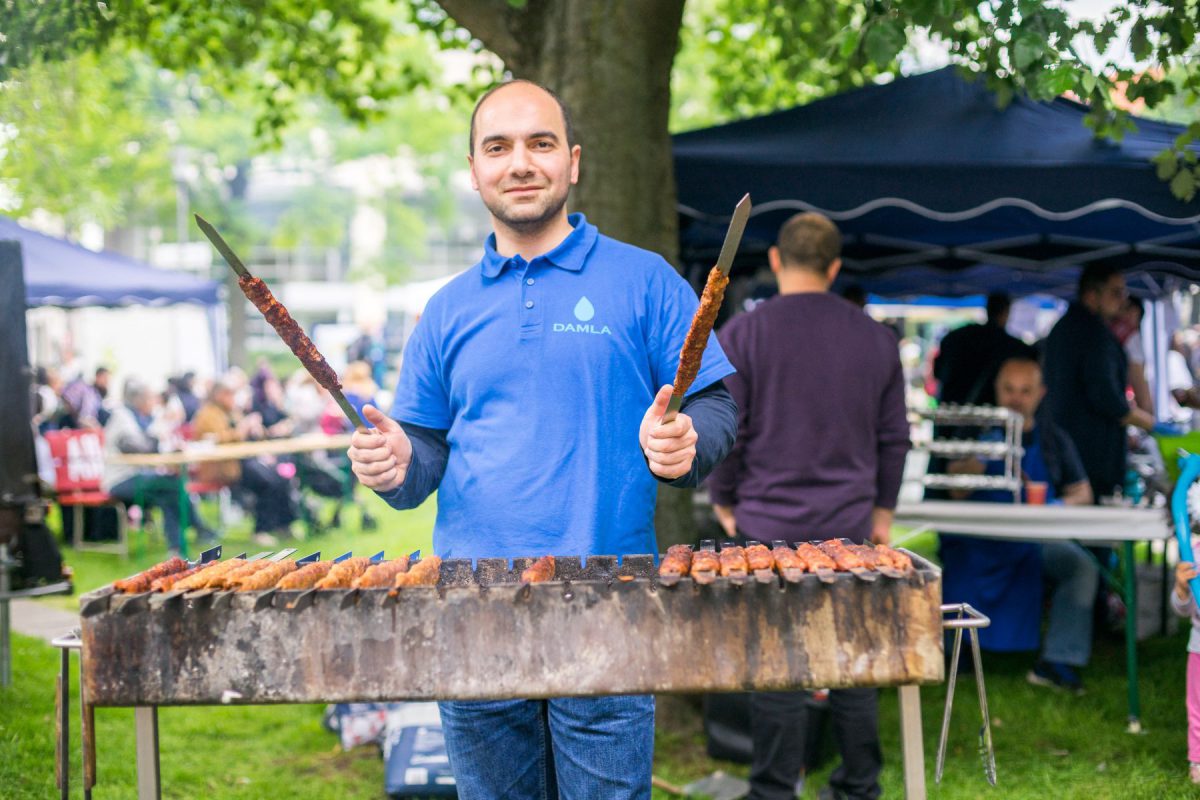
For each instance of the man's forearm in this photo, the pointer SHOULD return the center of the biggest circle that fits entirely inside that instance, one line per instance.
(1139, 419)
(714, 416)
(430, 452)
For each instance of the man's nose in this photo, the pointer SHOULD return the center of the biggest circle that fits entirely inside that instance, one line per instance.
(520, 163)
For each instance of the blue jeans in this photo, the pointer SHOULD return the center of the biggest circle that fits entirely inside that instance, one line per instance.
(569, 747)
(1075, 577)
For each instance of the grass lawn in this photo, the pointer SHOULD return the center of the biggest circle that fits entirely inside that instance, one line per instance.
(1047, 744)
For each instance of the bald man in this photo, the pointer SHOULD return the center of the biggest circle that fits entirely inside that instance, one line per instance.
(531, 398)
(1003, 579)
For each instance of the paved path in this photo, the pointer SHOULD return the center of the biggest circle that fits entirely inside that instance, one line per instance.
(31, 618)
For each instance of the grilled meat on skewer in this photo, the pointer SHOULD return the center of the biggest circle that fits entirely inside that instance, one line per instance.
(539, 571)
(344, 573)
(381, 575)
(705, 566)
(847, 560)
(424, 573)
(139, 583)
(167, 582)
(234, 576)
(875, 559)
(265, 578)
(306, 576)
(697, 336)
(733, 562)
(789, 565)
(758, 556)
(675, 563)
(813, 558)
(202, 580)
(287, 328)
(898, 560)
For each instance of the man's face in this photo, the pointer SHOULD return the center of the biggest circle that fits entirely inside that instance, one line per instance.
(1019, 388)
(521, 164)
(1112, 297)
(223, 397)
(101, 382)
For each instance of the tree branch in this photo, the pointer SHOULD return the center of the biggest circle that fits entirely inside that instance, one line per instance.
(488, 21)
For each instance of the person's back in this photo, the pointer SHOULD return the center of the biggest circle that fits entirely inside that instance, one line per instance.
(820, 376)
(969, 357)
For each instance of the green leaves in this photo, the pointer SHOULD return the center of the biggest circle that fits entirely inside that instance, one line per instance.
(1028, 49)
(884, 41)
(1183, 185)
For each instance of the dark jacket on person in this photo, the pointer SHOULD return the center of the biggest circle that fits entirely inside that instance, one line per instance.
(822, 427)
(1086, 373)
(969, 359)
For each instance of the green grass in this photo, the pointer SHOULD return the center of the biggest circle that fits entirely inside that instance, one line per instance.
(1047, 744)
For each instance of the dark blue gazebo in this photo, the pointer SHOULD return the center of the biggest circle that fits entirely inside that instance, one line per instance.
(938, 191)
(60, 273)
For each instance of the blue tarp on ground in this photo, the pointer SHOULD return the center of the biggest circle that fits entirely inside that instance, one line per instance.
(938, 191)
(59, 273)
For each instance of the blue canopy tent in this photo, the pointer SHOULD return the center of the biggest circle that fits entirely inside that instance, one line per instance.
(940, 192)
(61, 274)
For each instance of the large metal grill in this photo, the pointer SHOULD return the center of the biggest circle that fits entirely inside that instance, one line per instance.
(604, 626)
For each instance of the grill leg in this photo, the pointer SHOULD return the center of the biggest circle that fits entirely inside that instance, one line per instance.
(146, 724)
(912, 743)
(62, 702)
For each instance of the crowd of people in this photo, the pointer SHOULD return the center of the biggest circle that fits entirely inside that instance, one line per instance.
(233, 407)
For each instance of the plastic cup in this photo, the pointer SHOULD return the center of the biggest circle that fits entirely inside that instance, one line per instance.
(1035, 493)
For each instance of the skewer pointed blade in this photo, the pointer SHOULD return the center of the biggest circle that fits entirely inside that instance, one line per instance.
(223, 247)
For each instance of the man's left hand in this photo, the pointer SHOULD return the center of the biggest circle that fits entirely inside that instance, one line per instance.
(669, 448)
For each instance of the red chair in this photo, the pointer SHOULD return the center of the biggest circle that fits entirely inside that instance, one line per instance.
(78, 466)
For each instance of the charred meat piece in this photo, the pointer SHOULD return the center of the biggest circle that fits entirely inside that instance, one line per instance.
(424, 573)
(344, 573)
(141, 582)
(786, 559)
(733, 561)
(381, 575)
(676, 562)
(539, 571)
(705, 562)
(265, 578)
(846, 560)
(167, 582)
(898, 560)
(871, 558)
(813, 558)
(697, 336)
(203, 579)
(234, 576)
(758, 556)
(287, 328)
(306, 576)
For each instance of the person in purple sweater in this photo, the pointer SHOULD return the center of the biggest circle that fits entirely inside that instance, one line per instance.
(822, 437)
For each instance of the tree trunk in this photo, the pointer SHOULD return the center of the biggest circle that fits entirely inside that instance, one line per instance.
(610, 61)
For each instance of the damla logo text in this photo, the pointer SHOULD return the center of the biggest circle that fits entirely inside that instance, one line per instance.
(584, 312)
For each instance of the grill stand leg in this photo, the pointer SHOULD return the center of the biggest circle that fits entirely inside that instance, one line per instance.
(62, 703)
(912, 743)
(149, 785)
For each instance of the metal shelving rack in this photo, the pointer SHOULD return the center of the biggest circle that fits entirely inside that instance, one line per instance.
(1009, 450)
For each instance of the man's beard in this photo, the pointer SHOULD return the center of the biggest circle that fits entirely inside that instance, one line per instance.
(528, 224)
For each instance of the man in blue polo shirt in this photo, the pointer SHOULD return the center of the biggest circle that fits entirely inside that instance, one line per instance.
(531, 398)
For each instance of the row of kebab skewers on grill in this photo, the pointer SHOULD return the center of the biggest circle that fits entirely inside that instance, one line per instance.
(824, 559)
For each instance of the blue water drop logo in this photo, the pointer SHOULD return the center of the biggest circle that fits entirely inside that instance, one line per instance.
(584, 310)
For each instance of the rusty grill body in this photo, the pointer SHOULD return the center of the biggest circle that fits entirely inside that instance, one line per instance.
(599, 628)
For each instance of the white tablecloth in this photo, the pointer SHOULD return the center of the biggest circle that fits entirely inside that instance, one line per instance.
(1093, 524)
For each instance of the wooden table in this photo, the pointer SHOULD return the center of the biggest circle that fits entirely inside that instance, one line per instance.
(206, 452)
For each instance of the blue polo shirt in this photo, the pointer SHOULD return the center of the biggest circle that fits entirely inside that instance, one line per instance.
(540, 372)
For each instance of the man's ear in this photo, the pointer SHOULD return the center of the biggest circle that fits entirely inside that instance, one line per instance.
(774, 259)
(835, 267)
(471, 170)
(576, 152)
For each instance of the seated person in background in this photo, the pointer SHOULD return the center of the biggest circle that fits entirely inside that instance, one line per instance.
(1127, 327)
(1003, 579)
(359, 388)
(267, 402)
(220, 420)
(130, 430)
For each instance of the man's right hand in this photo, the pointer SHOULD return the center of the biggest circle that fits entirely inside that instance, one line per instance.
(380, 457)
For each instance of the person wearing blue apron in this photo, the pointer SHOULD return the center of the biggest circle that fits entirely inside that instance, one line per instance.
(1004, 579)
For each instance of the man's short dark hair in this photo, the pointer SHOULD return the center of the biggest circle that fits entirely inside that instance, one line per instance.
(1138, 306)
(566, 112)
(1094, 276)
(998, 303)
(809, 241)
